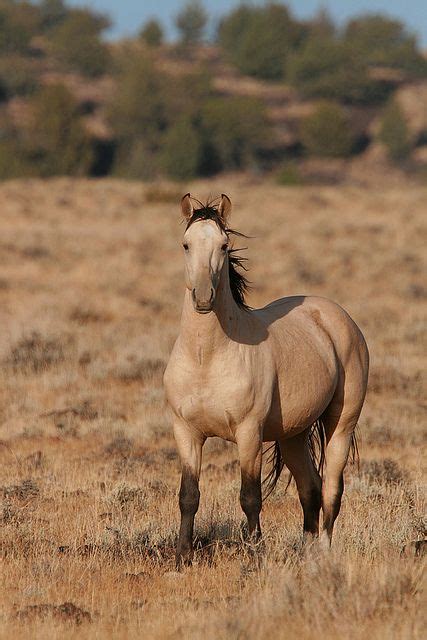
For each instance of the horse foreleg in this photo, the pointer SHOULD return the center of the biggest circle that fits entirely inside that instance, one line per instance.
(189, 446)
(249, 444)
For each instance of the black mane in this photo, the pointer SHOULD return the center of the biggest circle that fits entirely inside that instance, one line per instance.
(239, 284)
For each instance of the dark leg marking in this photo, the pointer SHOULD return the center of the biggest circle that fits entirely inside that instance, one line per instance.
(311, 505)
(189, 496)
(251, 502)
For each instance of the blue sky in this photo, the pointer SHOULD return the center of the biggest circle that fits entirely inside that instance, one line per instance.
(128, 15)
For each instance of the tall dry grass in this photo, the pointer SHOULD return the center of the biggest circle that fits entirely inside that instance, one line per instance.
(90, 296)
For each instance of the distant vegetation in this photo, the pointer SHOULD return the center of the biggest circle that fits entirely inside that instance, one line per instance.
(326, 132)
(394, 132)
(180, 125)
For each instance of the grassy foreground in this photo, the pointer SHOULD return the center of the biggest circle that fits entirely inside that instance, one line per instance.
(90, 295)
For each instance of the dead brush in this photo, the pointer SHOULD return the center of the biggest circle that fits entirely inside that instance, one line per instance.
(389, 379)
(140, 370)
(119, 446)
(25, 490)
(84, 315)
(67, 612)
(36, 353)
(125, 496)
(385, 472)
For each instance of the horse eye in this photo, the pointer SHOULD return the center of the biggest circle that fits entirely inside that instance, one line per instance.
(185, 245)
(224, 247)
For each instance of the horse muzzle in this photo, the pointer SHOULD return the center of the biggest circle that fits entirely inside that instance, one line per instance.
(203, 303)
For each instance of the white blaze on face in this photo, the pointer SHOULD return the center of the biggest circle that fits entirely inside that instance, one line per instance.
(205, 248)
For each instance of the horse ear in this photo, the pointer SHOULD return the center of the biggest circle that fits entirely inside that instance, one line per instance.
(186, 206)
(224, 208)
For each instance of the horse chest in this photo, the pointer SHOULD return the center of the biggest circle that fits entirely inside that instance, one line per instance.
(213, 399)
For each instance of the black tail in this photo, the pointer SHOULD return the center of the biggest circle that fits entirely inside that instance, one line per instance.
(276, 464)
(316, 446)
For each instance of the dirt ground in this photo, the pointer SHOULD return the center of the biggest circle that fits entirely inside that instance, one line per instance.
(91, 288)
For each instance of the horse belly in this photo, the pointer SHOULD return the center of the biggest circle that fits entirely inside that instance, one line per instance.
(298, 402)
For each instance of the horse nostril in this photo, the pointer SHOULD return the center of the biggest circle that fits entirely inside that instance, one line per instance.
(193, 295)
(212, 295)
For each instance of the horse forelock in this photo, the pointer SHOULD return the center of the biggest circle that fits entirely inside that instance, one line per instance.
(207, 211)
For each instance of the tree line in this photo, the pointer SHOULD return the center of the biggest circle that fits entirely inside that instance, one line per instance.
(181, 127)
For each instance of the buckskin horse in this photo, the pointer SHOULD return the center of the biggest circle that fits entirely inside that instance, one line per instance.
(293, 373)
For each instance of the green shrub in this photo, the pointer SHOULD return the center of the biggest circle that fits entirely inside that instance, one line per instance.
(235, 131)
(17, 76)
(258, 39)
(328, 68)
(326, 132)
(191, 22)
(58, 142)
(152, 33)
(76, 43)
(394, 132)
(181, 153)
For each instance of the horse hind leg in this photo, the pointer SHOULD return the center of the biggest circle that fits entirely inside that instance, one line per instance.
(339, 422)
(296, 455)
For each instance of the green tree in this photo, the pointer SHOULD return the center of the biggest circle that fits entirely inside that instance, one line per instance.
(140, 107)
(191, 22)
(394, 132)
(140, 112)
(326, 132)
(53, 13)
(152, 33)
(235, 131)
(17, 76)
(258, 39)
(182, 149)
(76, 42)
(327, 68)
(383, 41)
(322, 25)
(58, 142)
(19, 22)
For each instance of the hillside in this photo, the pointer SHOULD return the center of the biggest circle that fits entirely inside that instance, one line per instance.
(285, 108)
(139, 100)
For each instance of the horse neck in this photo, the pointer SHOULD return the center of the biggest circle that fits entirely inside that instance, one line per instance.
(204, 335)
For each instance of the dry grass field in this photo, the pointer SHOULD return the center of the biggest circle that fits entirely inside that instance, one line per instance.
(90, 296)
